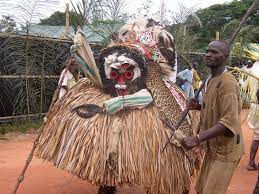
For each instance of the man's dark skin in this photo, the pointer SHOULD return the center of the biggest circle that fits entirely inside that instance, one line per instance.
(215, 58)
(254, 147)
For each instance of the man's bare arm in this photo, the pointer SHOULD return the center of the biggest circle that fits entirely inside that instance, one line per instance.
(217, 130)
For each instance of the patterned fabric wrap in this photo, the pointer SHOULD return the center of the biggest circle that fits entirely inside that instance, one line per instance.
(177, 95)
(138, 100)
(148, 40)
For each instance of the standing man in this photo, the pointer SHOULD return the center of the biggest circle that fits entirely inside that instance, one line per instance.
(67, 77)
(196, 80)
(253, 122)
(253, 117)
(187, 78)
(220, 129)
(196, 76)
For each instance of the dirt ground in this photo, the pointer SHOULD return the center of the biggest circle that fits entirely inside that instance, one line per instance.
(43, 178)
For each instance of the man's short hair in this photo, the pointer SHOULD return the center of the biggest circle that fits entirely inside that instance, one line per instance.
(227, 46)
(226, 49)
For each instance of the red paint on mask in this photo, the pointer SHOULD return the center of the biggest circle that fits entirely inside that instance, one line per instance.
(129, 75)
(114, 75)
(121, 77)
(122, 92)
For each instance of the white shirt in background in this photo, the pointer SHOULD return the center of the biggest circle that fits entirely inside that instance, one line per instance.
(68, 81)
(187, 87)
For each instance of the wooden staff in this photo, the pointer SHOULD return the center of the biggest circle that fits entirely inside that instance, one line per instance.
(29, 158)
(186, 111)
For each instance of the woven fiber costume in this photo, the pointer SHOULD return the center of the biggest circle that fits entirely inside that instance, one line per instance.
(109, 128)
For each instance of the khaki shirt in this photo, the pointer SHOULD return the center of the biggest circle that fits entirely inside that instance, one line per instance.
(221, 104)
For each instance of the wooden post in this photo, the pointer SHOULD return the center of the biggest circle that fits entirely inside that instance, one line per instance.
(184, 30)
(42, 78)
(26, 73)
(217, 35)
(67, 19)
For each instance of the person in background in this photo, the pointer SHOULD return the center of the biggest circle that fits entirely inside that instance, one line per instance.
(249, 64)
(255, 142)
(187, 80)
(247, 67)
(68, 77)
(173, 75)
(196, 76)
(196, 80)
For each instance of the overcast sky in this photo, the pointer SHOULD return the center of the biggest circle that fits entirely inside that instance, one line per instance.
(173, 5)
(131, 6)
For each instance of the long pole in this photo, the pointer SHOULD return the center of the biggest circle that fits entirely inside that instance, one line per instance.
(67, 19)
(29, 158)
(26, 73)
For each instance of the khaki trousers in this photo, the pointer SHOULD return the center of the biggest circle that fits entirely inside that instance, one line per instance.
(214, 176)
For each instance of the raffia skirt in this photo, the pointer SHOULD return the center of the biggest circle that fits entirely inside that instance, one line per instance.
(83, 146)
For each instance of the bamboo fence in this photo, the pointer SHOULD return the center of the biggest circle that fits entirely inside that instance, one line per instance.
(30, 67)
(29, 70)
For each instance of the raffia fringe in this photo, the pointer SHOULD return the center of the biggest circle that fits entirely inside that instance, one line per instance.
(81, 146)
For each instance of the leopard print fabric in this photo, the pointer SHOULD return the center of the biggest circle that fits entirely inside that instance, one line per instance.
(169, 109)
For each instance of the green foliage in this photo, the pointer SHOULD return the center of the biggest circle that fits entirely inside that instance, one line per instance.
(104, 17)
(223, 18)
(7, 24)
(249, 33)
(59, 19)
(106, 28)
(215, 17)
(26, 12)
(56, 19)
(21, 127)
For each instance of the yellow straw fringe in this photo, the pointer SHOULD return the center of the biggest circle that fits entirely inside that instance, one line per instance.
(80, 146)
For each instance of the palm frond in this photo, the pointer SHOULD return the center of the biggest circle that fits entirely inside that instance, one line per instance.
(26, 12)
(249, 83)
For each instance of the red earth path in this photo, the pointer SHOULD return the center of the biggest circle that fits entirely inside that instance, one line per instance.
(43, 178)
